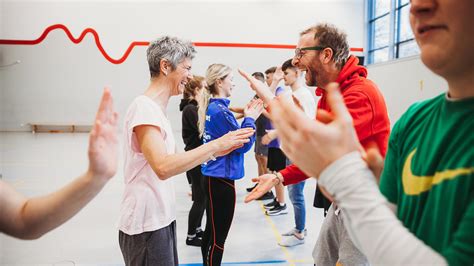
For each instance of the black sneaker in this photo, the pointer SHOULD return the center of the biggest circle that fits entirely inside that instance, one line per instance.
(194, 241)
(200, 233)
(270, 205)
(249, 189)
(267, 196)
(277, 210)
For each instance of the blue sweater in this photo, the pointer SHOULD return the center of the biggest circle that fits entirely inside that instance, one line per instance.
(219, 121)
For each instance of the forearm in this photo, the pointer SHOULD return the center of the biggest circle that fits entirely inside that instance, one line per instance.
(272, 134)
(173, 164)
(37, 216)
(371, 223)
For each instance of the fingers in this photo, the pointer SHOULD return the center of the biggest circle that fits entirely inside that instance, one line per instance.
(253, 104)
(336, 102)
(245, 75)
(244, 129)
(263, 187)
(256, 104)
(278, 75)
(255, 179)
(242, 137)
(243, 132)
(94, 135)
(253, 195)
(105, 106)
(240, 145)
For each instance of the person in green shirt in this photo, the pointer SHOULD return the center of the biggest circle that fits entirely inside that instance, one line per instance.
(423, 212)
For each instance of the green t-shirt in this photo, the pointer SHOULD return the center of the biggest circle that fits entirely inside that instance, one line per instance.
(429, 175)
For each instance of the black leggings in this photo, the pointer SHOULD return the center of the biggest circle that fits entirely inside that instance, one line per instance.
(220, 206)
(197, 209)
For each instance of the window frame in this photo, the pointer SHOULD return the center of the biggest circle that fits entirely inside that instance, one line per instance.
(394, 42)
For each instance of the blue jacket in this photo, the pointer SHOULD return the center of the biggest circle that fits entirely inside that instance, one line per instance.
(219, 121)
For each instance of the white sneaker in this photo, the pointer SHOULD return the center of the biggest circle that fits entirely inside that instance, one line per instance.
(294, 231)
(291, 241)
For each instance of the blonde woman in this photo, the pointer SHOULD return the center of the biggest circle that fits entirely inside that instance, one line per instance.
(147, 227)
(217, 120)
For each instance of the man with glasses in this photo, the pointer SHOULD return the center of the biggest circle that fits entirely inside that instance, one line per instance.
(323, 52)
(423, 211)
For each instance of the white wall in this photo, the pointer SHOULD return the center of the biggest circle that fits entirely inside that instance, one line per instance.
(60, 82)
(404, 82)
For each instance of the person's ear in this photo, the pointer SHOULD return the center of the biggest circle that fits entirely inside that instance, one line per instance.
(326, 55)
(165, 67)
(218, 83)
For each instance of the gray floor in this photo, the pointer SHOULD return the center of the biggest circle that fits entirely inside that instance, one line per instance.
(36, 164)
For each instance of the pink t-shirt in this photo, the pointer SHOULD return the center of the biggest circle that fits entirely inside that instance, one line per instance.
(148, 203)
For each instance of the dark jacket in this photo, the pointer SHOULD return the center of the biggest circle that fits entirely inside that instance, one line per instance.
(189, 120)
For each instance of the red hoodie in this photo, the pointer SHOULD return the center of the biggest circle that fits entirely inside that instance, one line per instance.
(366, 106)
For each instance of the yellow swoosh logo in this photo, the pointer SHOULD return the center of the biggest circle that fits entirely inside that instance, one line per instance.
(415, 185)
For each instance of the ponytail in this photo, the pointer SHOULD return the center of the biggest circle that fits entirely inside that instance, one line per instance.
(213, 73)
(202, 110)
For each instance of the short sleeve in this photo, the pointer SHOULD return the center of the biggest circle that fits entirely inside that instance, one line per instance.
(143, 112)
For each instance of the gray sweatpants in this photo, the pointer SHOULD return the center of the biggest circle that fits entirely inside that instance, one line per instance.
(334, 245)
(150, 248)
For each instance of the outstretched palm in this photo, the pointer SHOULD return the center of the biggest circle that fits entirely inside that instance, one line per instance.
(265, 183)
(233, 140)
(103, 144)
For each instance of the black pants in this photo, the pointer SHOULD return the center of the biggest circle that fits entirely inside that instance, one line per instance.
(197, 209)
(220, 206)
(320, 201)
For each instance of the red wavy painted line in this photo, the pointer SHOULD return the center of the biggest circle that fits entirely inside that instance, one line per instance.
(133, 44)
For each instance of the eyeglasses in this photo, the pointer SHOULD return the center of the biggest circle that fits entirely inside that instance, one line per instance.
(299, 54)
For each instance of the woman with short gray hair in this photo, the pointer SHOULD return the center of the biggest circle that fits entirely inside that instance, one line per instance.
(147, 224)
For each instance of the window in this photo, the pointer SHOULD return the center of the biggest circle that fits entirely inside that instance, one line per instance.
(389, 32)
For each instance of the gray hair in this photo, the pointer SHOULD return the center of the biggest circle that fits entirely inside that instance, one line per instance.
(170, 48)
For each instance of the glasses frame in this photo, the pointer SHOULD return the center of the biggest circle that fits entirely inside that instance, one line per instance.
(298, 53)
